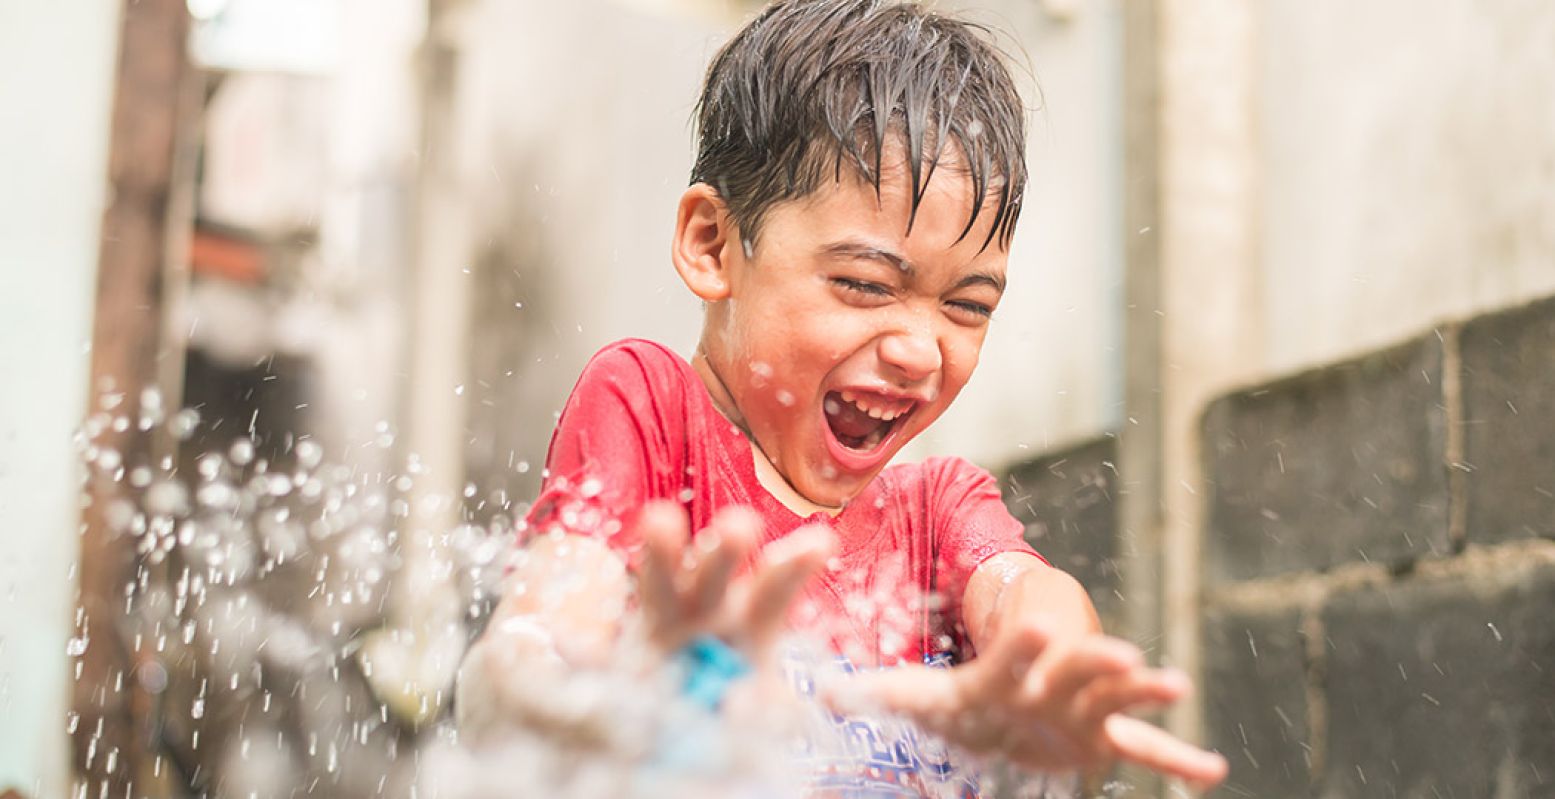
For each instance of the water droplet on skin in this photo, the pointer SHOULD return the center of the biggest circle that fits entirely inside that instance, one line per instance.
(785, 398)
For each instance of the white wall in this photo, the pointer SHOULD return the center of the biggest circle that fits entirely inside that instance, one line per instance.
(1408, 167)
(53, 154)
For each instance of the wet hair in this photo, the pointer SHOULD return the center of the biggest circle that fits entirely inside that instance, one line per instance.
(810, 87)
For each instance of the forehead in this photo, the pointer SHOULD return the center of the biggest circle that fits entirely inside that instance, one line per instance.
(946, 212)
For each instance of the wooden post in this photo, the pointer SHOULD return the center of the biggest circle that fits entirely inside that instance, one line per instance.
(112, 741)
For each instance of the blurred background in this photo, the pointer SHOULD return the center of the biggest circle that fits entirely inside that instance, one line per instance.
(1274, 377)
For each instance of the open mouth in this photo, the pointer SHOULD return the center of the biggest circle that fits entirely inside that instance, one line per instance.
(860, 421)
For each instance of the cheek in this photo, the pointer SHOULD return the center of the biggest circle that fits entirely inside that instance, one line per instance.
(961, 356)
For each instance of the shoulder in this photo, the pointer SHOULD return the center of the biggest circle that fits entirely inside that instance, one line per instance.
(635, 366)
(636, 354)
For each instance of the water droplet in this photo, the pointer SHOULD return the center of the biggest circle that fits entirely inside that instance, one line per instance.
(309, 454)
(241, 452)
(184, 423)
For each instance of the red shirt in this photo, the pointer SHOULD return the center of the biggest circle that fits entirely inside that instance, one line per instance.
(640, 425)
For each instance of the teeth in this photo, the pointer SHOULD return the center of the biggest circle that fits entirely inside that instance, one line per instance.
(883, 412)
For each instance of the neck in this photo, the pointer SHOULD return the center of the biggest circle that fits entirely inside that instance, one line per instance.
(767, 473)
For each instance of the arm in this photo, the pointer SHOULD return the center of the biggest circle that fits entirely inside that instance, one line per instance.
(1015, 585)
(1049, 690)
(561, 608)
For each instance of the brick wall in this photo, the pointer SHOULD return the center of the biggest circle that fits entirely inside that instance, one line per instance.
(1379, 598)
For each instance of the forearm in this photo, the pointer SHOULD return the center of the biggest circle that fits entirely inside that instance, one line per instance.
(1016, 587)
(561, 609)
(575, 588)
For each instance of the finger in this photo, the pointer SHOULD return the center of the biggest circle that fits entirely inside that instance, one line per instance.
(663, 528)
(1159, 750)
(785, 567)
(916, 692)
(1129, 691)
(721, 547)
(1065, 671)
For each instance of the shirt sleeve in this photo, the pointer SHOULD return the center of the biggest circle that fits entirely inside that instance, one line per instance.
(971, 524)
(618, 444)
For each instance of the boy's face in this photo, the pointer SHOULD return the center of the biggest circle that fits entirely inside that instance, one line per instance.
(843, 335)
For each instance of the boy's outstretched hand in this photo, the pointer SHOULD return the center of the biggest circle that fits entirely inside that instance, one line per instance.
(1049, 705)
(693, 586)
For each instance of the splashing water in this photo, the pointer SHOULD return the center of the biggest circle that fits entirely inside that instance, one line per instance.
(283, 633)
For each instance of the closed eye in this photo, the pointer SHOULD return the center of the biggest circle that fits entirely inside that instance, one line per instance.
(976, 308)
(861, 287)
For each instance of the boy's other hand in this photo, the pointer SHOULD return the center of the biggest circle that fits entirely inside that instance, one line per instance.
(1050, 705)
(693, 586)
(532, 668)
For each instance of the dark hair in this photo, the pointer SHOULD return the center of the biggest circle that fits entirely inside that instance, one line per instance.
(811, 84)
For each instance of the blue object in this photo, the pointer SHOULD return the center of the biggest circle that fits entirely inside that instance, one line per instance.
(710, 666)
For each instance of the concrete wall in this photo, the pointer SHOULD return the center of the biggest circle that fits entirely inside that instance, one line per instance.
(53, 152)
(1382, 570)
(1379, 566)
(1407, 167)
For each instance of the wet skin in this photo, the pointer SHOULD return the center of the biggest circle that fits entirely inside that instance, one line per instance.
(837, 295)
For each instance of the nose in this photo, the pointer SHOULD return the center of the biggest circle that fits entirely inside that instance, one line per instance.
(913, 354)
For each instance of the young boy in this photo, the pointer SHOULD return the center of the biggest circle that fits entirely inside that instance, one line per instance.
(859, 172)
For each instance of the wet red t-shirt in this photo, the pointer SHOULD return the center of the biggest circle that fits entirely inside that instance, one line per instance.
(640, 425)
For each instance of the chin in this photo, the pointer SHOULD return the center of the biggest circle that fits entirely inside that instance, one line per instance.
(838, 491)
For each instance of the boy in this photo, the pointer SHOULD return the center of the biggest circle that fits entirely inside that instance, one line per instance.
(859, 172)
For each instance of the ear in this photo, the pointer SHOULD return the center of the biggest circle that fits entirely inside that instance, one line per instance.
(702, 229)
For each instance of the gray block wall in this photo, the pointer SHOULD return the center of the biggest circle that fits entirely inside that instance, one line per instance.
(1068, 501)
(1379, 566)
(1379, 612)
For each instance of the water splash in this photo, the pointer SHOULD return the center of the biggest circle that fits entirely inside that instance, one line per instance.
(262, 620)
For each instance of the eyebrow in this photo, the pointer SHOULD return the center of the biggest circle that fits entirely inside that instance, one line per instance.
(869, 252)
